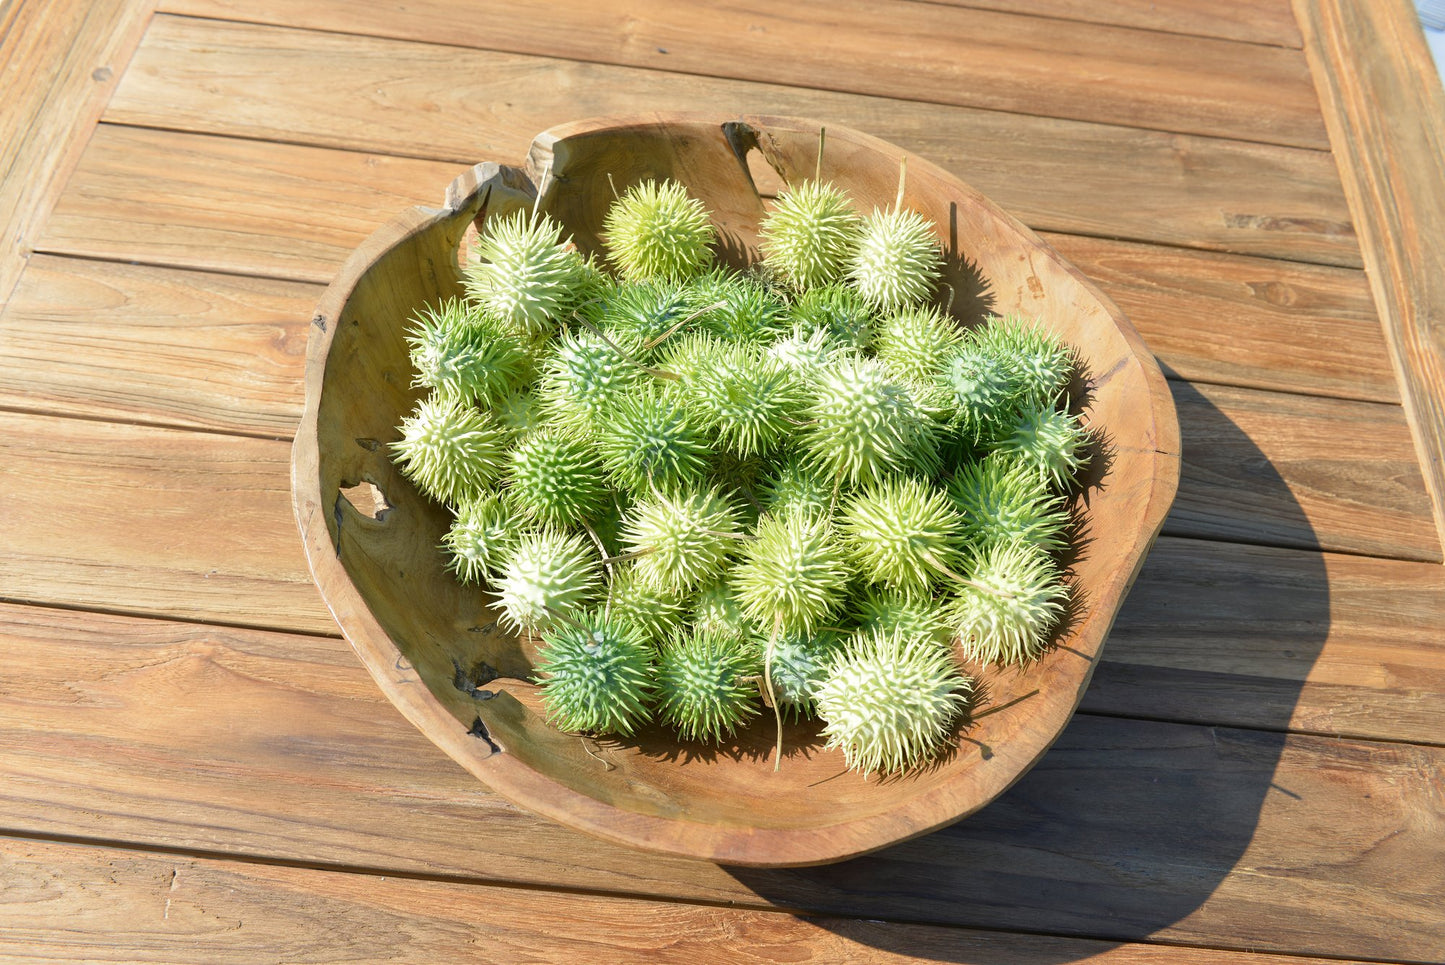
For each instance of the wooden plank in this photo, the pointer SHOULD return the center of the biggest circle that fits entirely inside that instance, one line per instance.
(70, 902)
(1290, 470)
(1253, 322)
(138, 519)
(922, 52)
(1254, 636)
(1255, 21)
(276, 84)
(292, 213)
(278, 746)
(59, 62)
(131, 342)
(1385, 111)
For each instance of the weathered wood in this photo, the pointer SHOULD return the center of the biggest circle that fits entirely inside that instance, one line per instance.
(110, 341)
(422, 100)
(198, 524)
(59, 63)
(1255, 21)
(1290, 470)
(279, 746)
(1385, 111)
(71, 902)
(914, 51)
(1280, 639)
(1245, 321)
(411, 623)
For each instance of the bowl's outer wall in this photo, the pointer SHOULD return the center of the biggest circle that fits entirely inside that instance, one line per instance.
(426, 639)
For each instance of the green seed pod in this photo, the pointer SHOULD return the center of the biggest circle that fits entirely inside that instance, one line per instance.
(1053, 443)
(1002, 500)
(1014, 598)
(685, 539)
(866, 426)
(889, 611)
(655, 610)
(737, 308)
(656, 231)
(643, 314)
(1040, 362)
(518, 412)
(838, 310)
(795, 485)
(686, 354)
(545, 573)
(914, 342)
(982, 389)
(902, 533)
(702, 686)
(583, 377)
(890, 701)
(746, 398)
(556, 479)
(806, 353)
(897, 262)
(797, 668)
(525, 275)
(649, 442)
(793, 575)
(715, 611)
(596, 675)
(450, 450)
(808, 236)
(460, 360)
(484, 530)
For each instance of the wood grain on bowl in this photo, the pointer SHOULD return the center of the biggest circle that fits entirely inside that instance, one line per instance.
(434, 646)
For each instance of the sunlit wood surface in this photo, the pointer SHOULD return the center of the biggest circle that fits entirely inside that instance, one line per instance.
(195, 767)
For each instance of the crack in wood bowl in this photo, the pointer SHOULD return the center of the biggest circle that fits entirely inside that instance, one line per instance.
(435, 647)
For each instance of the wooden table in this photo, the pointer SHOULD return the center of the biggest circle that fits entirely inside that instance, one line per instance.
(195, 767)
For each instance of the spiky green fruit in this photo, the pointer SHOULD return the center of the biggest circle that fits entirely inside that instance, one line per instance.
(897, 263)
(524, 273)
(449, 449)
(838, 310)
(683, 540)
(982, 390)
(461, 360)
(737, 308)
(484, 530)
(703, 687)
(914, 342)
(545, 573)
(902, 533)
(793, 575)
(715, 610)
(889, 611)
(643, 314)
(555, 479)
(1007, 611)
(1041, 363)
(805, 352)
(796, 664)
(1002, 499)
(1054, 444)
(745, 397)
(686, 354)
(648, 442)
(583, 377)
(865, 426)
(808, 236)
(596, 674)
(656, 231)
(794, 484)
(519, 412)
(655, 610)
(890, 701)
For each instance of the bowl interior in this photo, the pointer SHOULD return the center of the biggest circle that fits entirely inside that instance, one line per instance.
(435, 647)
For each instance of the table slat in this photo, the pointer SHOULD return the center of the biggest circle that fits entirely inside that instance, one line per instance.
(1255, 21)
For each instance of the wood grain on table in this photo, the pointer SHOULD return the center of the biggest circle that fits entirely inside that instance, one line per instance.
(193, 764)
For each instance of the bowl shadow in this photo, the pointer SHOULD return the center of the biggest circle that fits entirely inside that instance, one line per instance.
(1141, 808)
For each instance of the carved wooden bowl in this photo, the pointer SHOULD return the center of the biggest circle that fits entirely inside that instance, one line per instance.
(434, 646)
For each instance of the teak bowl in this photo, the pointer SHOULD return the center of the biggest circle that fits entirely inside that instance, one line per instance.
(435, 647)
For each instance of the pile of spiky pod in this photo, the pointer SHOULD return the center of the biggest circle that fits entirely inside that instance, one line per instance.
(709, 492)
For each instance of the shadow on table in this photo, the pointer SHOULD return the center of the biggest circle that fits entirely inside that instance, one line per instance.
(1126, 826)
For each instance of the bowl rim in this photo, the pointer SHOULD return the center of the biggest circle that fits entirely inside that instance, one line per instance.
(506, 773)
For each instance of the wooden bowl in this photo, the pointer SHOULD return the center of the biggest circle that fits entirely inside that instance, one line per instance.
(435, 647)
